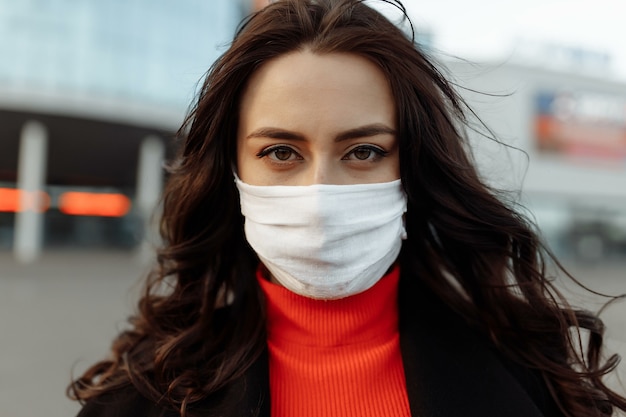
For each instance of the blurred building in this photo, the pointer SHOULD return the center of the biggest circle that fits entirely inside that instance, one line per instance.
(560, 147)
(91, 93)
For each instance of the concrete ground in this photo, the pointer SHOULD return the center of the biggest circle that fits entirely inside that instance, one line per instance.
(60, 315)
(57, 317)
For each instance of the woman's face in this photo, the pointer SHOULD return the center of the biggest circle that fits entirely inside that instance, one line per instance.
(308, 118)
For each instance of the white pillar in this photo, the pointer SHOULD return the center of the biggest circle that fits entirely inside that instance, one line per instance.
(31, 174)
(148, 192)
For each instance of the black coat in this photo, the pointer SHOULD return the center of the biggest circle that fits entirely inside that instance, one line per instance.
(451, 371)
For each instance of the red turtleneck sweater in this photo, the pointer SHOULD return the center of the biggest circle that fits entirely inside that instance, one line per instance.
(337, 357)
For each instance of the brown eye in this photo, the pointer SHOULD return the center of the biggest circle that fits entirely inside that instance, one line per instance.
(366, 153)
(282, 154)
(362, 153)
(279, 154)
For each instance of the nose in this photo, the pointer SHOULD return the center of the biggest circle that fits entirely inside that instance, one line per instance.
(322, 171)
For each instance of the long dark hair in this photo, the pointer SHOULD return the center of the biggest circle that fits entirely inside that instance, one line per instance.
(476, 253)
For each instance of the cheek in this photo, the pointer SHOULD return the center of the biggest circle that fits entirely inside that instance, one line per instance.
(250, 168)
(241, 161)
(240, 149)
(393, 164)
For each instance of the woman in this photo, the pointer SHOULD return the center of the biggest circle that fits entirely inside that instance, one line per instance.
(331, 250)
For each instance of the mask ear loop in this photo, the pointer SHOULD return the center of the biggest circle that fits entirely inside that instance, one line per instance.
(233, 169)
(404, 234)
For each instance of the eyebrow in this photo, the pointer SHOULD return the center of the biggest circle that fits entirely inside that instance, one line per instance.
(374, 129)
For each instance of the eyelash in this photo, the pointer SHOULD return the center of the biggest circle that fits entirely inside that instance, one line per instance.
(379, 153)
(265, 152)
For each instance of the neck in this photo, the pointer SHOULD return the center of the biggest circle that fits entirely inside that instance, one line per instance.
(359, 318)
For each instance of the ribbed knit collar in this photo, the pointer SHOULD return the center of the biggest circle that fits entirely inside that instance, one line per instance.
(366, 317)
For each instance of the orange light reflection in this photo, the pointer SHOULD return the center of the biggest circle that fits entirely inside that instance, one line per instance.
(11, 200)
(94, 204)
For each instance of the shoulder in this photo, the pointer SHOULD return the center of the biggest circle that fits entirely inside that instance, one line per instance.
(124, 402)
(456, 370)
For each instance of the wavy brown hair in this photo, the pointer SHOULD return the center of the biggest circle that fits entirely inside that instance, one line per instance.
(478, 254)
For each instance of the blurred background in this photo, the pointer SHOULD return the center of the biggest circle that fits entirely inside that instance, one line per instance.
(91, 93)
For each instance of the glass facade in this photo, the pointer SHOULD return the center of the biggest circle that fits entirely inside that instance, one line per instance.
(147, 51)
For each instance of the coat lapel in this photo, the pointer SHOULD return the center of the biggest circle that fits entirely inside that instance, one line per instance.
(248, 396)
(450, 371)
(251, 394)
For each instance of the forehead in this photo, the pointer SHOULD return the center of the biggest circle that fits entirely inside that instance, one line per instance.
(327, 85)
(323, 68)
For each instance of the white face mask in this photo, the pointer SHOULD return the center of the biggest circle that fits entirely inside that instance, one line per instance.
(325, 241)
